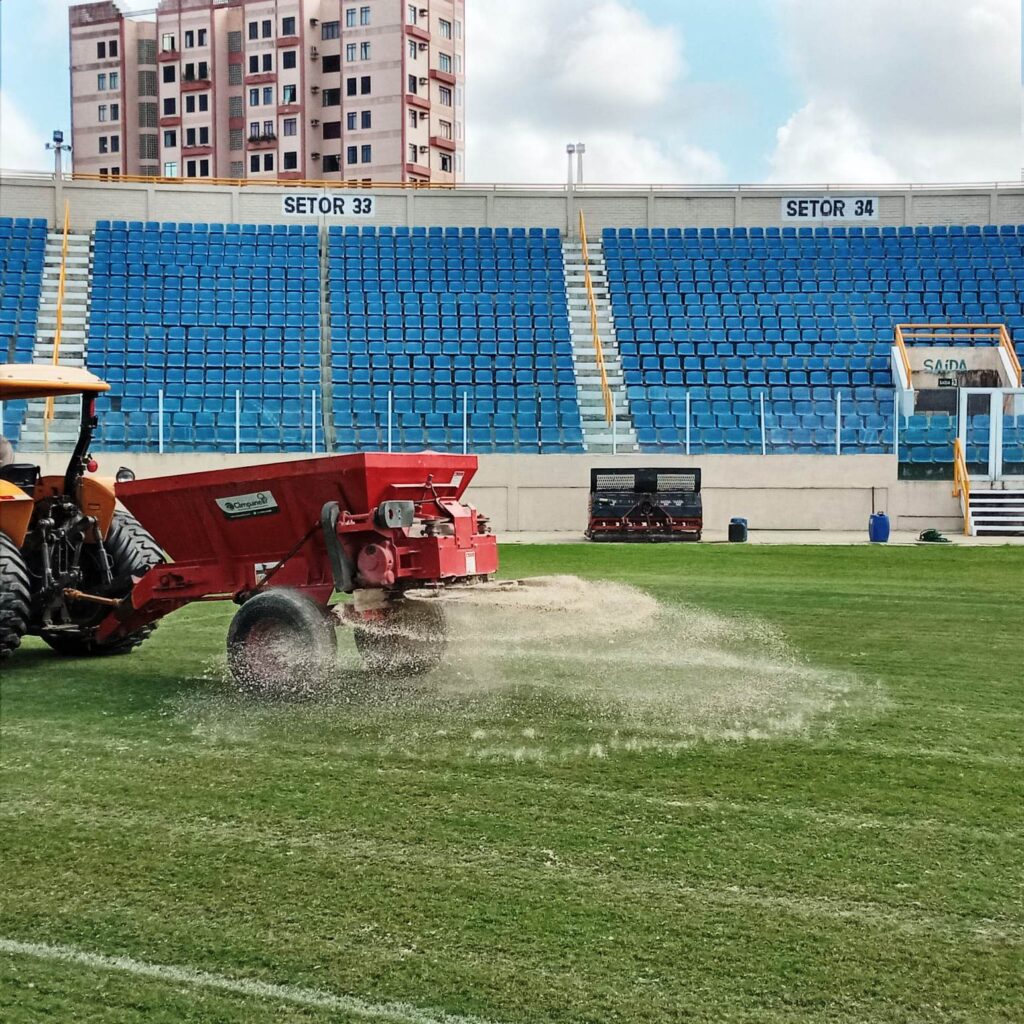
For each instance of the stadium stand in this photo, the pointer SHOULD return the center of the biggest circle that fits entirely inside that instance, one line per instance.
(202, 312)
(435, 314)
(798, 315)
(22, 247)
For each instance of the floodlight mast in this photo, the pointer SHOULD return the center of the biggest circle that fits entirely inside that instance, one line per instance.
(570, 150)
(59, 147)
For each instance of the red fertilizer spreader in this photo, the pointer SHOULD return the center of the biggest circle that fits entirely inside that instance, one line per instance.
(281, 539)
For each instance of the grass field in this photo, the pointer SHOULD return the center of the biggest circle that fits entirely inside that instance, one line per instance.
(823, 824)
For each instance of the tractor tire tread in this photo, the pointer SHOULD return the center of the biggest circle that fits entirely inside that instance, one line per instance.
(15, 596)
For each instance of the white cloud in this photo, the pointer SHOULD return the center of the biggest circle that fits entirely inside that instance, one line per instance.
(920, 90)
(22, 144)
(600, 72)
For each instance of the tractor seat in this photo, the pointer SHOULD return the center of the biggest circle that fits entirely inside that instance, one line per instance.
(21, 474)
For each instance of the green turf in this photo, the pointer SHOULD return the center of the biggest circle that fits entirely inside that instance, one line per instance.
(868, 866)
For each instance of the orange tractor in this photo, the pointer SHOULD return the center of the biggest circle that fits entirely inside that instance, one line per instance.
(67, 554)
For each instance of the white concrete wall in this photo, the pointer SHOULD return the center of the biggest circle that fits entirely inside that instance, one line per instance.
(549, 492)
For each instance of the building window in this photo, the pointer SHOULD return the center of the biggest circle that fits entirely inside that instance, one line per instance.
(204, 102)
(190, 137)
(168, 43)
(170, 139)
(445, 62)
(268, 96)
(102, 112)
(201, 37)
(268, 130)
(367, 154)
(444, 96)
(146, 52)
(204, 70)
(291, 161)
(103, 144)
(446, 29)
(112, 52)
(458, 29)
(350, 18)
(115, 144)
(458, 95)
(204, 136)
(350, 121)
(254, 30)
(413, 50)
(268, 62)
(147, 83)
(413, 120)
(254, 130)
(190, 41)
(412, 152)
(115, 80)
(364, 15)
(352, 155)
(268, 29)
(350, 51)
(288, 59)
(287, 26)
(288, 94)
(254, 97)
(190, 168)
(234, 42)
(254, 163)
(290, 126)
(445, 128)
(268, 161)
(411, 14)
(458, 63)
(170, 72)
(254, 63)
(101, 83)
(364, 85)
(171, 169)
(190, 103)
(364, 51)
(332, 162)
(412, 84)
(237, 168)
(204, 168)
(351, 87)
(331, 97)
(330, 30)
(329, 65)
(236, 106)
(147, 147)
(234, 74)
(446, 162)
(170, 106)
(366, 121)
(101, 51)
(115, 112)
(332, 129)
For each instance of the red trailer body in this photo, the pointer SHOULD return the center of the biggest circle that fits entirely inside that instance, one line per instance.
(345, 522)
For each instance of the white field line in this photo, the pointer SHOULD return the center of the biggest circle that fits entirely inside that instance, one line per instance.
(395, 1012)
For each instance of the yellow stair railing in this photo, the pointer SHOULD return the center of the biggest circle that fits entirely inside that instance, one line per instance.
(48, 416)
(606, 391)
(1006, 344)
(939, 334)
(962, 484)
(901, 345)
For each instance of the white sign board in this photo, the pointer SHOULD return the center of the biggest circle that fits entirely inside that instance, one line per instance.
(830, 208)
(327, 204)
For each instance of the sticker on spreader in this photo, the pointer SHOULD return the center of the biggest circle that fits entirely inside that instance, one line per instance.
(245, 506)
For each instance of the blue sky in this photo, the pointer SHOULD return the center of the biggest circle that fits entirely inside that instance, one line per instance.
(672, 91)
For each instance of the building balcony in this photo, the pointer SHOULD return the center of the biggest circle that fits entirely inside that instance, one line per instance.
(414, 100)
(417, 33)
(166, 56)
(442, 76)
(418, 169)
(170, 122)
(290, 175)
(261, 142)
(442, 143)
(189, 151)
(290, 108)
(287, 41)
(195, 84)
(263, 78)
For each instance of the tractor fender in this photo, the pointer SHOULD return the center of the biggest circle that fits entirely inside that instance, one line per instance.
(95, 498)
(15, 512)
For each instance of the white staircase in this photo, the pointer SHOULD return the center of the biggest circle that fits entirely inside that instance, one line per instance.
(996, 513)
(597, 432)
(63, 429)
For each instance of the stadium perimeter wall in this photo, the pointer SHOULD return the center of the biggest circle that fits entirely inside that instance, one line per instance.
(548, 493)
(505, 206)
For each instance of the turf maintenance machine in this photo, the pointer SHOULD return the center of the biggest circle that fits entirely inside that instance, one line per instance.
(67, 555)
(629, 504)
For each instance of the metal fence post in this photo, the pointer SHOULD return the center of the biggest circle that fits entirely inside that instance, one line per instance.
(465, 422)
(615, 416)
(896, 425)
(238, 422)
(312, 414)
(764, 429)
(839, 423)
(391, 413)
(160, 421)
(687, 422)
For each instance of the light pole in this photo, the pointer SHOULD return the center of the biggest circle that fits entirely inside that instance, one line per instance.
(570, 151)
(59, 148)
(580, 150)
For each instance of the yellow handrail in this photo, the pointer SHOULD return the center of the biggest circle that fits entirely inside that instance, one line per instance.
(606, 391)
(905, 359)
(962, 483)
(1007, 345)
(60, 316)
(317, 183)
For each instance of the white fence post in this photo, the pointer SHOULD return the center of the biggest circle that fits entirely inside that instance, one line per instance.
(615, 416)
(391, 414)
(465, 422)
(896, 425)
(160, 421)
(839, 423)
(312, 412)
(764, 431)
(687, 422)
(238, 422)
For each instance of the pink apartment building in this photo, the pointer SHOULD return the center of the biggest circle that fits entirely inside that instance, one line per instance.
(339, 90)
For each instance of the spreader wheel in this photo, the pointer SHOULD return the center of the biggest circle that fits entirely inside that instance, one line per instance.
(407, 640)
(281, 644)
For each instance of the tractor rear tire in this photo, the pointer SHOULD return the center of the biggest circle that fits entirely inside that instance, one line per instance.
(14, 597)
(409, 641)
(282, 645)
(133, 552)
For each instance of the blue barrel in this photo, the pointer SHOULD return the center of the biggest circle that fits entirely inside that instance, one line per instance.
(737, 531)
(878, 528)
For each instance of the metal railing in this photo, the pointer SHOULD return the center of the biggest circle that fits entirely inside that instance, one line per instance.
(48, 416)
(953, 333)
(962, 484)
(901, 346)
(606, 391)
(1006, 343)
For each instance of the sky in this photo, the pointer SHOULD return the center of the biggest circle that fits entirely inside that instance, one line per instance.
(675, 91)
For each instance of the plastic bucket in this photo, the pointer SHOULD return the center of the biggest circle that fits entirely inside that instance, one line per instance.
(878, 528)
